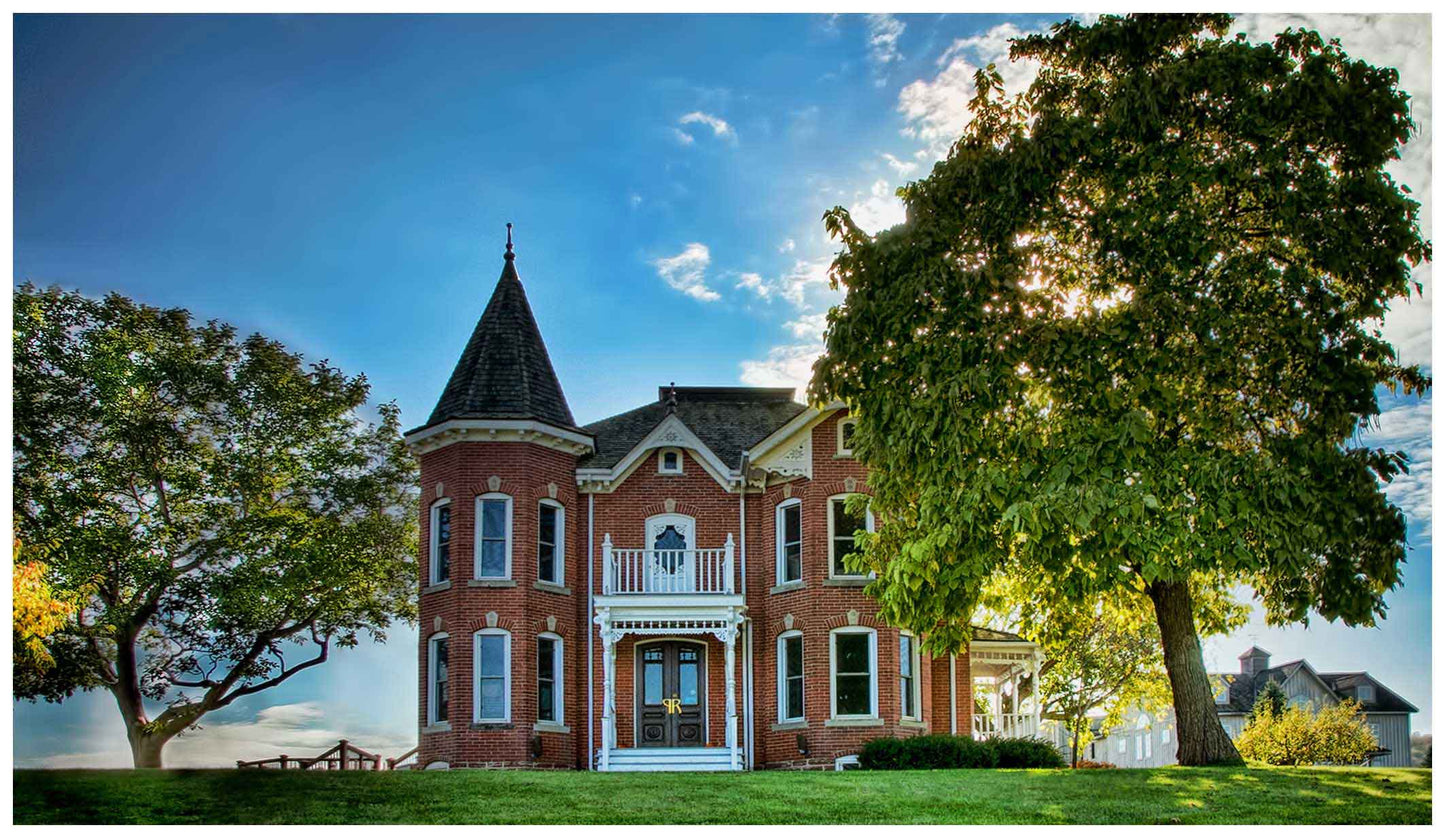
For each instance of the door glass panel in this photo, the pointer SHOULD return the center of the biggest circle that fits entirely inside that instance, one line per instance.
(687, 682)
(652, 676)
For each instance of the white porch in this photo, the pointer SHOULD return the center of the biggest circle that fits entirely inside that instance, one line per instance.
(1002, 707)
(667, 616)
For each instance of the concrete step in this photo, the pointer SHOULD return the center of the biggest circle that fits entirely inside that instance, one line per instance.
(670, 759)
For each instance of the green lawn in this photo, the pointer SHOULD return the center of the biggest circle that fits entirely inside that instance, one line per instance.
(1163, 795)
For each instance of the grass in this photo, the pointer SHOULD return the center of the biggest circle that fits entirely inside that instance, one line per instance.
(1161, 795)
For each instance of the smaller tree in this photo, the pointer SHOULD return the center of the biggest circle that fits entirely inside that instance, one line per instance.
(1295, 736)
(37, 611)
(1271, 700)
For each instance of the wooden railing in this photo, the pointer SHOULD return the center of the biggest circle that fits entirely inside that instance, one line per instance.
(629, 571)
(395, 762)
(1011, 725)
(344, 757)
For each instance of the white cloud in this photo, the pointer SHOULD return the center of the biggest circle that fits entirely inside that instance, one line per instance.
(788, 246)
(936, 110)
(809, 326)
(634, 199)
(1407, 428)
(883, 34)
(756, 284)
(682, 136)
(686, 271)
(720, 127)
(879, 209)
(785, 366)
(902, 167)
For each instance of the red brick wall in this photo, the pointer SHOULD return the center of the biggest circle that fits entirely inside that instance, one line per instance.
(525, 470)
(462, 471)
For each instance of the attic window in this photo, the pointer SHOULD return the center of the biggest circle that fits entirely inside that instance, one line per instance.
(845, 437)
(669, 461)
(1365, 692)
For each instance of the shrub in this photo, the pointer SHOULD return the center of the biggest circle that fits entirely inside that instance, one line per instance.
(1336, 735)
(1026, 752)
(945, 751)
(1088, 763)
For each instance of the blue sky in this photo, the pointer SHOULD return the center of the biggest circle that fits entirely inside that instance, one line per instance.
(341, 184)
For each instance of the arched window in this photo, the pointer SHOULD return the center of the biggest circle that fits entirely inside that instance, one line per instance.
(494, 537)
(669, 461)
(436, 679)
(853, 661)
(789, 539)
(551, 538)
(845, 436)
(492, 676)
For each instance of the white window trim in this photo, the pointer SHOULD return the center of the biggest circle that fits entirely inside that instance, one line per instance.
(778, 530)
(1123, 745)
(506, 676)
(477, 540)
(661, 456)
(559, 543)
(872, 672)
(558, 681)
(783, 718)
(915, 713)
(1164, 736)
(842, 450)
(431, 678)
(868, 525)
(432, 528)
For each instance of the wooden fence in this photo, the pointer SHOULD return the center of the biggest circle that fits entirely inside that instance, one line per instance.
(344, 757)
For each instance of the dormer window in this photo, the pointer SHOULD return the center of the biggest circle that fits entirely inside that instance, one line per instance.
(669, 461)
(1365, 692)
(845, 437)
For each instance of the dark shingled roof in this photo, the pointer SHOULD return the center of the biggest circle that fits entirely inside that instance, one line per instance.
(726, 419)
(995, 636)
(1243, 690)
(504, 373)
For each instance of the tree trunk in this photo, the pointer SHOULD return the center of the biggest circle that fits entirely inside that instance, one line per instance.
(145, 749)
(1075, 746)
(1202, 740)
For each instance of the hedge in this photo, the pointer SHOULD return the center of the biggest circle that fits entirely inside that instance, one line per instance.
(944, 751)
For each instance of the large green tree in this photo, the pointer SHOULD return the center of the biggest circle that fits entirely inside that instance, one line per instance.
(1129, 332)
(226, 512)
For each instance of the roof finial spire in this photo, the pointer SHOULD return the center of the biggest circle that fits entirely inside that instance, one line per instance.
(509, 256)
(671, 396)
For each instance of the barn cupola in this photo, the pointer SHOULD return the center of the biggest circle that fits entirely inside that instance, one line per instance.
(1254, 661)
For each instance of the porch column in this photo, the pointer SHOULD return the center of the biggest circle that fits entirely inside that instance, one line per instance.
(730, 645)
(609, 689)
(1035, 707)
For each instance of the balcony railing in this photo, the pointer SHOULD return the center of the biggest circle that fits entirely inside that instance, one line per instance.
(630, 571)
(1011, 725)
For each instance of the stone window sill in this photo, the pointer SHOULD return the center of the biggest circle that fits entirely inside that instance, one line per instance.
(438, 587)
(914, 723)
(551, 727)
(848, 582)
(491, 583)
(784, 587)
(799, 725)
(438, 727)
(492, 726)
(861, 721)
(552, 587)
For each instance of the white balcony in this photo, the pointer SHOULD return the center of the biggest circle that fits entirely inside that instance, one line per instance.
(1008, 725)
(645, 572)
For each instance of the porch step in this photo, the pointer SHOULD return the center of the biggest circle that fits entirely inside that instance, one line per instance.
(670, 759)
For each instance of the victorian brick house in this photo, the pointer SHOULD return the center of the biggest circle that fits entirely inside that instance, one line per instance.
(661, 589)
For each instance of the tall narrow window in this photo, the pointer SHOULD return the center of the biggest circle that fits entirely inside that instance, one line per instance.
(549, 542)
(907, 676)
(845, 437)
(855, 666)
(549, 678)
(437, 680)
(494, 537)
(790, 677)
(441, 541)
(841, 526)
(492, 662)
(790, 541)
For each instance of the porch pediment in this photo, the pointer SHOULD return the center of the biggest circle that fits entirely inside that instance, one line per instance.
(671, 432)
